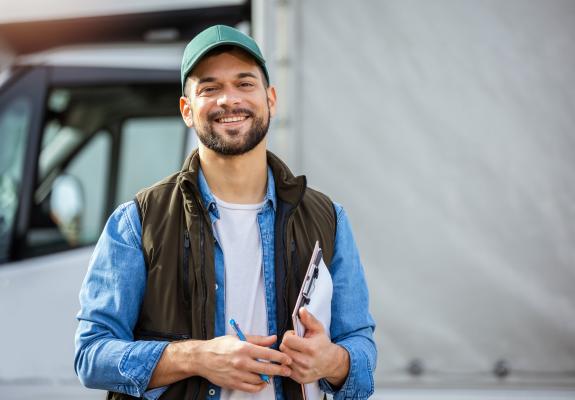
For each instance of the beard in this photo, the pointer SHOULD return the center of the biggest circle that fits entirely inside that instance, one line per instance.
(219, 143)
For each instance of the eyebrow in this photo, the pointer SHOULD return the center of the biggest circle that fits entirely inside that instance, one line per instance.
(206, 79)
(239, 76)
(247, 75)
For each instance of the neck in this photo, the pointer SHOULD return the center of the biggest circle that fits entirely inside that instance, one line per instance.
(236, 179)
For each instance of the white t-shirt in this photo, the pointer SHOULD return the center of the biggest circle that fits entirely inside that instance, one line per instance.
(238, 233)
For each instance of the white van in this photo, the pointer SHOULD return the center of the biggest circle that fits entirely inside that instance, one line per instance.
(82, 129)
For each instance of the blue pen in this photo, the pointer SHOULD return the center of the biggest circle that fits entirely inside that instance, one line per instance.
(242, 337)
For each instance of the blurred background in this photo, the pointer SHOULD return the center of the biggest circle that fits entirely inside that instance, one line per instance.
(446, 129)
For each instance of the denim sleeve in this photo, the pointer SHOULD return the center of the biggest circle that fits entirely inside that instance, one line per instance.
(107, 357)
(352, 325)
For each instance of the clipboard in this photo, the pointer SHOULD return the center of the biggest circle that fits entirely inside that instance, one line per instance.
(315, 295)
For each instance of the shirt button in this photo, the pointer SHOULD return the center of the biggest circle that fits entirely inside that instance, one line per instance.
(217, 286)
(212, 392)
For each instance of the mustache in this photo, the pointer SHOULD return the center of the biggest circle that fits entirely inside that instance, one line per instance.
(228, 113)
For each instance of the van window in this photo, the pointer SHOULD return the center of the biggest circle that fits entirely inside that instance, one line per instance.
(14, 124)
(100, 145)
(69, 204)
(152, 148)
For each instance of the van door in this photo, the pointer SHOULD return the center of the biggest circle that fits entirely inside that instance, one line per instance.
(105, 133)
(21, 111)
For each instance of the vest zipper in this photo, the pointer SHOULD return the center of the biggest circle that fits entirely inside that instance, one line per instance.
(285, 294)
(203, 272)
(295, 263)
(202, 268)
(291, 213)
(186, 269)
(204, 286)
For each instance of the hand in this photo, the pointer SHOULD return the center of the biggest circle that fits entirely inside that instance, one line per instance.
(314, 356)
(232, 364)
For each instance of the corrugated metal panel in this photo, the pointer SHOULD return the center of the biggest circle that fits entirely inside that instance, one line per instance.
(447, 130)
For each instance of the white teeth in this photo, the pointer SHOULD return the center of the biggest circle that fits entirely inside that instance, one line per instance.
(232, 119)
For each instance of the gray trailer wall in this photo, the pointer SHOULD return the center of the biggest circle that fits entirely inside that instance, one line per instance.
(447, 131)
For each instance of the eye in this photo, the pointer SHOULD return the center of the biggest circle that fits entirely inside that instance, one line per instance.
(207, 90)
(246, 84)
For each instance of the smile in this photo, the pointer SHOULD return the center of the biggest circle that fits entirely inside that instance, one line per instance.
(227, 120)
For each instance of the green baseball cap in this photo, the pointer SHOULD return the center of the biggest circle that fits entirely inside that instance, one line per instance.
(215, 36)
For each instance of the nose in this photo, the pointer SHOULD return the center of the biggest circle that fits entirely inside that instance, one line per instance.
(228, 98)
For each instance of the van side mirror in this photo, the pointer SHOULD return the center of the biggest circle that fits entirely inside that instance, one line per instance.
(67, 206)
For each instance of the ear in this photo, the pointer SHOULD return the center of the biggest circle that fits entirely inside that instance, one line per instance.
(186, 111)
(271, 92)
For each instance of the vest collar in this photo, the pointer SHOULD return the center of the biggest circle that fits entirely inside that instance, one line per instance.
(188, 183)
(288, 187)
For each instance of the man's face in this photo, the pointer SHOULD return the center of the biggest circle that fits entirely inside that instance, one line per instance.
(229, 105)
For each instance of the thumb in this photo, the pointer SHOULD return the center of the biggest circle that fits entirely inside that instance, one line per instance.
(311, 323)
(265, 341)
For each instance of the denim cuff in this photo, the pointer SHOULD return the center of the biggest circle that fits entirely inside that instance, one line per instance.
(138, 364)
(359, 382)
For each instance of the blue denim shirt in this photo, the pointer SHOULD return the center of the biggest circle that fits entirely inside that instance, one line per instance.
(108, 358)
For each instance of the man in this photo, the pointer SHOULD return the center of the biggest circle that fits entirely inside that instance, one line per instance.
(229, 236)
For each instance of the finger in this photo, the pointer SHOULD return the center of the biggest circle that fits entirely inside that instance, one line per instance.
(249, 387)
(302, 376)
(241, 379)
(310, 322)
(300, 361)
(295, 342)
(250, 377)
(286, 335)
(264, 353)
(264, 341)
(297, 376)
(265, 368)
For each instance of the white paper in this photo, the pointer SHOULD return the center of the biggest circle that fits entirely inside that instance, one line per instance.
(319, 306)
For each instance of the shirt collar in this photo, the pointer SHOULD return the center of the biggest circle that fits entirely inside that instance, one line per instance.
(271, 190)
(210, 201)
